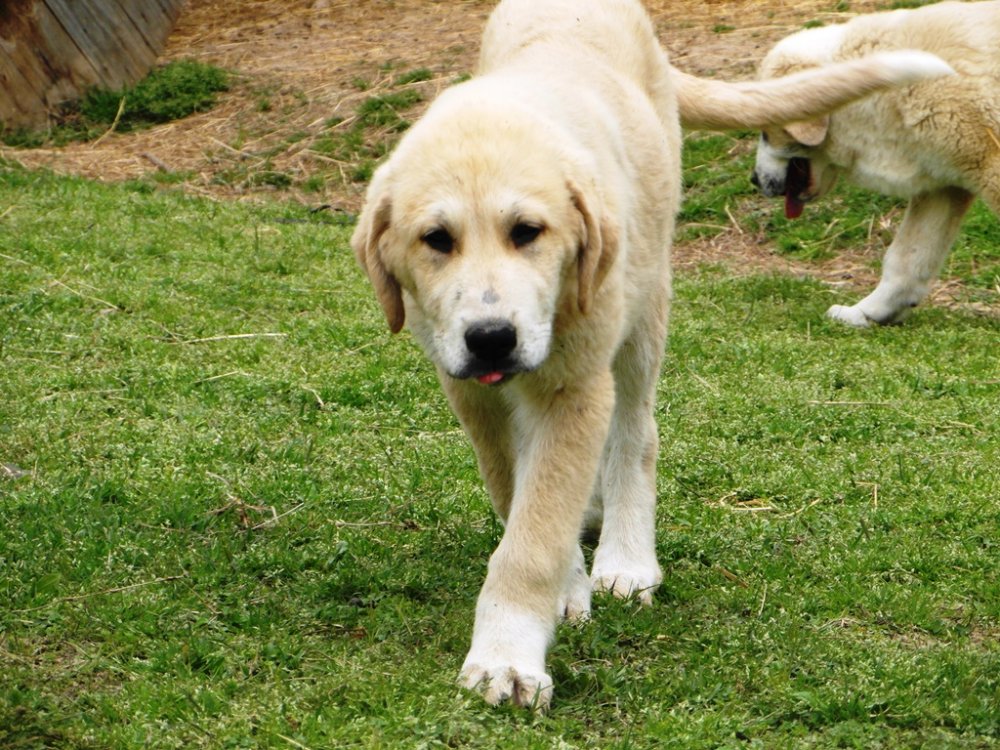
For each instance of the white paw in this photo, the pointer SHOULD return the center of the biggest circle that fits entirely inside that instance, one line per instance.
(851, 316)
(507, 659)
(499, 683)
(574, 601)
(626, 578)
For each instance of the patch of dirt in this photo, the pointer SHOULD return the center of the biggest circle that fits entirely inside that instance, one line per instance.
(853, 271)
(304, 64)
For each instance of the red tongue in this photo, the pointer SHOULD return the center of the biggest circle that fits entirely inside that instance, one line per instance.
(793, 207)
(490, 378)
(796, 183)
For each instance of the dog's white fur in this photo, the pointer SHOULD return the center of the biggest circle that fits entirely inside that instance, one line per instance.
(522, 229)
(936, 144)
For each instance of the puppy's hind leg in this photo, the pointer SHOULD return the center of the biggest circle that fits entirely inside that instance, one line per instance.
(574, 602)
(990, 180)
(913, 260)
(625, 560)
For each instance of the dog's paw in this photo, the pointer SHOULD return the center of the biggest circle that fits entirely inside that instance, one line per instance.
(574, 601)
(506, 662)
(500, 683)
(626, 579)
(852, 316)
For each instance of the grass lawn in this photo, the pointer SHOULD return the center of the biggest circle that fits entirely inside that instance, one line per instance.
(237, 513)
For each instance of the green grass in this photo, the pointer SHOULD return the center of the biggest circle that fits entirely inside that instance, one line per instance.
(367, 137)
(170, 92)
(239, 514)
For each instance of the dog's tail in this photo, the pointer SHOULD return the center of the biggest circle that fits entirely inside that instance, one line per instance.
(719, 105)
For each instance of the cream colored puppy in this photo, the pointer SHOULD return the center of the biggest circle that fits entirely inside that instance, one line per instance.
(522, 230)
(935, 143)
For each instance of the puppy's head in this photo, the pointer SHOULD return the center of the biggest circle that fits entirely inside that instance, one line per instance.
(791, 162)
(480, 232)
(791, 159)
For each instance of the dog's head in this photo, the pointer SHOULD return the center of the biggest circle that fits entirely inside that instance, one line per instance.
(791, 161)
(480, 232)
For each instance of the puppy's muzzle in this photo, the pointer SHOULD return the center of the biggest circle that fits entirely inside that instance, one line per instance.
(770, 185)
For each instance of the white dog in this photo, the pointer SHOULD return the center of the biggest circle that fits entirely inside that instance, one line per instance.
(522, 230)
(935, 143)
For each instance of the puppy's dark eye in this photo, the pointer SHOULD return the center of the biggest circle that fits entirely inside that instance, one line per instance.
(524, 234)
(440, 240)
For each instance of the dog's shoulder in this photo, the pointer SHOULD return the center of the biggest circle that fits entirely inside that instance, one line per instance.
(805, 49)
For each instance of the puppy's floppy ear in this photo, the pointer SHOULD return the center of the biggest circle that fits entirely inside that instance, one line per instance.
(809, 132)
(598, 245)
(372, 223)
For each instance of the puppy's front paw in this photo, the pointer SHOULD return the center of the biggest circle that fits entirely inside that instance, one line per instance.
(852, 316)
(506, 661)
(625, 578)
(499, 683)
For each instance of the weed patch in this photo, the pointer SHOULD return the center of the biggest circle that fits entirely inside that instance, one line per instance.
(367, 137)
(173, 91)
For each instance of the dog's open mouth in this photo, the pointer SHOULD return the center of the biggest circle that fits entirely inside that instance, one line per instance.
(491, 378)
(796, 183)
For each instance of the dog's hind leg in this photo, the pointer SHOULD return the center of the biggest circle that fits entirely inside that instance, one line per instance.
(913, 260)
(990, 178)
(625, 560)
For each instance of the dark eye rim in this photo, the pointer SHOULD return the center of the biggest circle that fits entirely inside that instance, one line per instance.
(524, 233)
(439, 239)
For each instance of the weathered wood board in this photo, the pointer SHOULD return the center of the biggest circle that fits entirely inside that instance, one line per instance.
(51, 51)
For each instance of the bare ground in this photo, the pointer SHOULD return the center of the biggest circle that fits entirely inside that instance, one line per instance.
(299, 63)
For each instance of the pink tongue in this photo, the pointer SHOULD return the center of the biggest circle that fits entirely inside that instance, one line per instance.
(793, 207)
(490, 378)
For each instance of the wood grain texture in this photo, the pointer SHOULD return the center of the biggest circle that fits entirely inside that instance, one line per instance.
(51, 51)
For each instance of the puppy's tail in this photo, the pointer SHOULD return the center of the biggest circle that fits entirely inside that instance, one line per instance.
(718, 105)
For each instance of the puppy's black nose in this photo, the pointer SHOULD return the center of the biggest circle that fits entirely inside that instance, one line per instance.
(491, 340)
(754, 179)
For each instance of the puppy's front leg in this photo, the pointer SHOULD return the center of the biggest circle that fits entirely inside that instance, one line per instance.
(560, 436)
(486, 417)
(913, 260)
